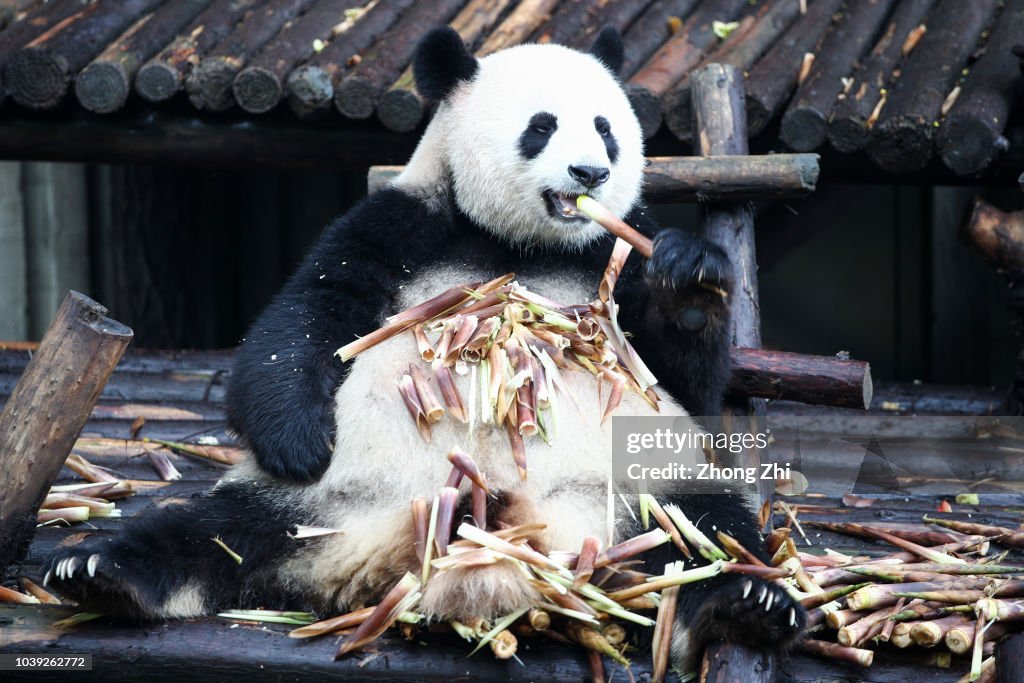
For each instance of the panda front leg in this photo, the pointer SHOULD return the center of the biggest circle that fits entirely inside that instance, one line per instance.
(690, 280)
(729, 607)
(166, 564)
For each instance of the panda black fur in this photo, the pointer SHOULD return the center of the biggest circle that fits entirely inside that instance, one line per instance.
(330, 443)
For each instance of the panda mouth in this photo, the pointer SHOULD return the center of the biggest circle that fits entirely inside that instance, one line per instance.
(562, 205)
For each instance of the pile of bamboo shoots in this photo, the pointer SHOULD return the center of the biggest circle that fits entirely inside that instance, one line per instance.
(941, 590)
(514, 345)
(586, 597)
(73, 503)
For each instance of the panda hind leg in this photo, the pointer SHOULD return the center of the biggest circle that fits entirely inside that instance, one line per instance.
(166, 565)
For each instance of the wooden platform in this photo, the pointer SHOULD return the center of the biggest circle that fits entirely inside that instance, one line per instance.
(180, 395)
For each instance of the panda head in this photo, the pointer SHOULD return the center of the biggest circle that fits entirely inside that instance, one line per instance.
(522, 132)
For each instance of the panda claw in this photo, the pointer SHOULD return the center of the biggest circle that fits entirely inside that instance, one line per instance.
(768, 602)
(72, 566)
(792, 617)
(91, 564)
(47, 577)
(60, 568)
(764, 593)
(747, 586)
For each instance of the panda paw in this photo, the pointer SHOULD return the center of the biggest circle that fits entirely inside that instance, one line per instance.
(691, 276)
(750, 611)
(98, 580)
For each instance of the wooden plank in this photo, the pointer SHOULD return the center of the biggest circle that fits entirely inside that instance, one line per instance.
(57, 237)
(13, 278)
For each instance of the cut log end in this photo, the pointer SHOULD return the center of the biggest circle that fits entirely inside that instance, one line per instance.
(157, 82)
(102, 87)
(997, 234)
(257, 90)
(758, 117)
(209, 84)
(804, 128)
(37, 78)
(401, 110)
(310, 91)
(356, 97)
(902, 144)
(647, 107)
(968, 144)
(848, 134)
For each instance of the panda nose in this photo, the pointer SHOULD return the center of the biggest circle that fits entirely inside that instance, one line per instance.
(589, 176)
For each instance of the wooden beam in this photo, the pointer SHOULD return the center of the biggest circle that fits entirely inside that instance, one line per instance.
(47, 410)
(819, 380)
(720, 127)
(703, 179)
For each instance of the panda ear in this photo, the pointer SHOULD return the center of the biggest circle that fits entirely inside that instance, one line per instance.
(441, 62)
(608, 48)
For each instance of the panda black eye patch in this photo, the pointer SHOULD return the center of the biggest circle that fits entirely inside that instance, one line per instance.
(604, 129)
(538, 131)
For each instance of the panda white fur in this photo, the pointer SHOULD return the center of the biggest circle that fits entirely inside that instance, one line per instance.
(516, 136)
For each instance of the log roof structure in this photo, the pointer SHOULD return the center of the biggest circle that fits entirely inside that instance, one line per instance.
(904, 82)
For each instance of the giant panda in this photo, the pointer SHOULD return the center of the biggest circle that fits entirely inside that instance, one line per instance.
(517, 135)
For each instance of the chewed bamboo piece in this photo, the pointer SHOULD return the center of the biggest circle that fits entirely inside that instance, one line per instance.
(515, 345)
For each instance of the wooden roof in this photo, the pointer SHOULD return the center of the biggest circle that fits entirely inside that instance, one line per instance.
(903, 80)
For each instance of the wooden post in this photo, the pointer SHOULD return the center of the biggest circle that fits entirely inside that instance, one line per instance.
(720, 126)
(13, 280)
(47, 410)
(1010, 659)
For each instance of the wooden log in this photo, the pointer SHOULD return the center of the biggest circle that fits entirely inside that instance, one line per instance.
(725, 178)
(670, 63)
(850, 126)
(704, 179)
(15, 10)
(49, 407)
(260, 85)
(972, 134)
(652, 28)
(209, 83)
(39, 21)
(733, 663)
(997, 234)
(805, 123)
(104, 84)
(39, 74)
(819, 380)
(568, 21)
(773, 78)
(618, 14)
(163, 76)
(311, 86)
(903, 138)
(741, 50)
(517, 26)
(402, 108)
(358, 93)
(1010, 659)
